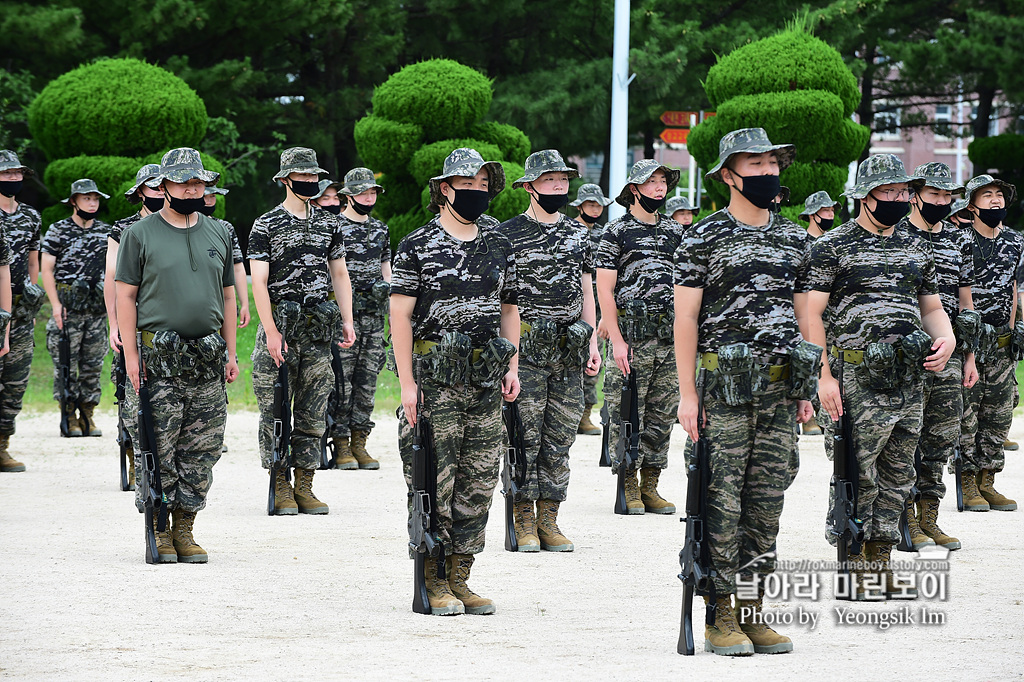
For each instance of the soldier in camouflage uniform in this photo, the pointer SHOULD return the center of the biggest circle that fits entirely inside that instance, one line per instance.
(452, 294)
(988, 405)
(932, 193)
(175, 293)
(591, 202)
(296, 257)
(556, 304)
(878, 282)
(681, 210)
(740, 290)
(328, 198)
(19, 234)
(634, 288)
(74, 252)
(959, 215)
(368, 256)
(241, 283)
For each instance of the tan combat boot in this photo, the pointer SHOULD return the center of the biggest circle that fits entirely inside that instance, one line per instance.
(928, 510)
(634, 505)
(973, 501)
(164, 544)
(653, 502)
(459, 566)
(188, 551)
(526, 526)
(551, 538)
(1010, 445)
(878, 554)
(284, 496)
(764, 639)
(810, 427)
(995, 499)
(918, 538)
(85, 422)
(304, 497)
(343, 458)
(362, 457)
(439, 593)
(74, 424)
(725, 637)
(7, 463)
(857, 563)
(587, 427)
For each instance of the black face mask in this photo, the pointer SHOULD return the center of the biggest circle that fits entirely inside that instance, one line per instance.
(552, 202)
(305, 188)
(760, 190)
(153, 204)
(470, 204)
(335, 209)
(10, 187)
(208, 210)
(86, 216)
(186, 206)
(825, 224)
(933, 213)
(888, 213)
(361, 209)
(992, 216)
(650, 205)
(587, 219)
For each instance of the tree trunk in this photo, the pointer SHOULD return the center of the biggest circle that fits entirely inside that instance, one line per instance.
(865, 112)
(986, 94)
(649, 141)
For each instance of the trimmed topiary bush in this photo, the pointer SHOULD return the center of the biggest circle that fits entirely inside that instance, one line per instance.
(109, 172)
(1003, 153)
(386, 146)
(511, 202)
(52, 214)
(428, 161)
(116, 106)
(404, 223)
(513, 142)
(400, 192)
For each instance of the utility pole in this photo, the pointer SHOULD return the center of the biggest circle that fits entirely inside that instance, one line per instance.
(621, 79)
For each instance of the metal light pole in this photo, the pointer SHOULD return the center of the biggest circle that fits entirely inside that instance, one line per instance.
(620, 106)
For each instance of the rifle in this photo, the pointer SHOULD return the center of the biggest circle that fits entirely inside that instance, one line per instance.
(627, 450)
(327, 451)
(843, 520)
(958, 472)
(67, 401)
(124, 440)
(906, 544)
(513, 474)
(154, 499)
(423, 540)
(695, 556)
(281, 452)
(606, 427)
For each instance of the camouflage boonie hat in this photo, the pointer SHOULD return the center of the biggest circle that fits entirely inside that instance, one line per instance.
(640, 173)
(146, 174)
(298, 160)
(749, 141)
(545, 161)
(9, 161)
(83, 186)
(816, 202)
(877, 170)
(210, 189)
(590, 192)
(960, 206)
(324, 184)
(358, 180)
(976, 183)
(679, 204)
(184, 164)
(937, 175)
(465, 163)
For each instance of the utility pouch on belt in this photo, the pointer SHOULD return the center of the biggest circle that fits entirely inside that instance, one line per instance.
(665, 327)
(448, 361)
(210, 349)
(324, 321)
(380, 292)
(736, 377)
(165, 354)
(878, 371)
(577, 345)
(32, 298)
(916, 348)
(539, 346)
(634, 321)
(988, 341)
(492, 365)
(968, 331)
(288, 318)
(1017, 342)
(804, 370)
(75, 296)
(96, 304)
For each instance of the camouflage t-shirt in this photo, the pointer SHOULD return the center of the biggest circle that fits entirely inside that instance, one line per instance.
(367, 245)
(642, 255)
(21, 230)
(298, 251)
(459, 286)
(123, 224)
(748, 275)
(236, 249)
(81, 252)
(550, 261)
(954, 264)
(996, 266)
(873, 282)
(594, 235)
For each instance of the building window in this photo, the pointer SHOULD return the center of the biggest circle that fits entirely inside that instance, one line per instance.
(943, 122)
(887, 122)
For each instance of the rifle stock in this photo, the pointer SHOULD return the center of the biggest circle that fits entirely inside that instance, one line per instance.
(844, 522)
(281, 451)
(958, 472)
(627, 449)
(906, 543)
(513, 473)
(124, 441)
(67, 406)
(606, 436)
(328, 454)
(154, 499)
(423, 540)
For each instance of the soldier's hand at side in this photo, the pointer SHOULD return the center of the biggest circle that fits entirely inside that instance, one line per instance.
(348, 335)
(510, 386)
(231, 370)
(830, 396)
(687, 415)
(594, 363)
(115, 340)
(603, 328)
(7, 344)
(804, 411)
(620, 352)
(409, 394)
(131, 368)
(970, 371)
(943, 348)
(276, 346)
(244, 317)
(57, 316)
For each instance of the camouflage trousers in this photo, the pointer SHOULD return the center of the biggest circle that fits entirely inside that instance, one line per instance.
(654, 362)
(189, 416)
(988, 413)
(467, 441)
(310, 380)
(551, 408)
(89, 346)
(886, 430)
(362, 364)
(751, 454)
(940, 430)
(14, 371)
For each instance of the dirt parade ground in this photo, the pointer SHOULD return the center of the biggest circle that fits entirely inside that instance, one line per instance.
(314, 597)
